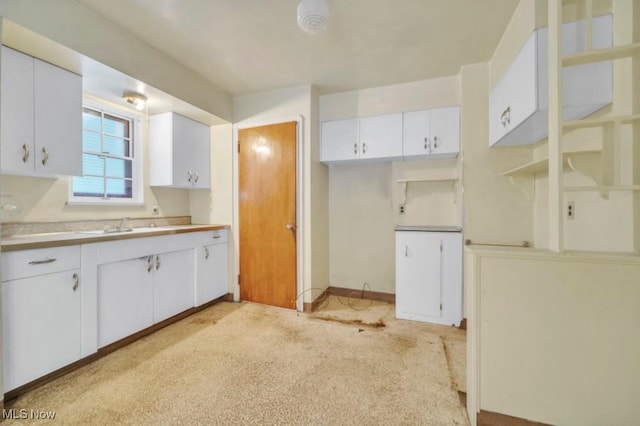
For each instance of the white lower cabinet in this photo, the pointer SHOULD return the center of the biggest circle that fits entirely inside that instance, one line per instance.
(137, 293)
(213, 266)
(429, 276)
(41, 313)
(173, 284)
(125, 298)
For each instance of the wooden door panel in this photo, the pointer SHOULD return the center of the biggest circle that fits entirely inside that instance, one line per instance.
(267, 198)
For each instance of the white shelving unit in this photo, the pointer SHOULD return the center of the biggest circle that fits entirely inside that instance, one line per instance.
(437, 175)
(557, 160)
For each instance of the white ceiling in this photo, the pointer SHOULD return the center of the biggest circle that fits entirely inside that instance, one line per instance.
(248, 46)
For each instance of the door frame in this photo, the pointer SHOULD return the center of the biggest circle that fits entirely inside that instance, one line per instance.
(300, 227)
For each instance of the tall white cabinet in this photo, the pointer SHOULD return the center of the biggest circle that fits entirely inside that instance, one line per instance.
(429, 274)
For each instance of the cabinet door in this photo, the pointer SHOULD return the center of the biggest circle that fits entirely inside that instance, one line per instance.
(58, 120)
(213, 273)
(381, 136)
(183, 162)
(17, 113)
(173, 285)
(339, 140)
(445, 132)
(418, 276)
(416, 131)
(515, 96)
(41, 325)
(202, 156)
(125, 298)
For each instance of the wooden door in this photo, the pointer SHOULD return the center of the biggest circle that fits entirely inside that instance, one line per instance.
(267, 198)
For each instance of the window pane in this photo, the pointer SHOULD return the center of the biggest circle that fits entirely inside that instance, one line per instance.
(118, 168)
(91, 120)
(116, 146)
(88, 186)
(91, 141)
(116, 126)
(92, 165)
(119, 188)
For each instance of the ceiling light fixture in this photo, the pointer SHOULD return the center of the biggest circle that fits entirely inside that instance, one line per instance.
(313, 15)
(135, 99)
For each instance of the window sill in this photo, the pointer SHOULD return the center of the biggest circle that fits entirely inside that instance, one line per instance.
(106, 203)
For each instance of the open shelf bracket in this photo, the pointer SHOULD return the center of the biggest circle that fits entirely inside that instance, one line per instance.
(521, 184)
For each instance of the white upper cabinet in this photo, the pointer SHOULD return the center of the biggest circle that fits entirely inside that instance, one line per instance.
(431, 134)
(518, 105)
(41, 117)
(381, 137)
(428, 134)
(179, 154)
(339, 140)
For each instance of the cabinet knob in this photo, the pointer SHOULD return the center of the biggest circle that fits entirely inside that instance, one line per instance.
(76, 281)
(149, 263)
(197, 177)
(364, 148)
(189, 176)
(426, 144)
(505, 118)
(45, 156)
(406, 251)
(206, 252)
(157, 262)
(435, 142)
(25, 153)
(355, 148)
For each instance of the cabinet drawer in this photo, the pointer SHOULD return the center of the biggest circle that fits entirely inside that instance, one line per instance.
(31, 263)
(215, 237)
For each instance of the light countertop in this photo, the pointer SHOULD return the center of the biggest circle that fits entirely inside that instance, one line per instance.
(55, 239)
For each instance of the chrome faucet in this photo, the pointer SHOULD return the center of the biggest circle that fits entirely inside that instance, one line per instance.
(123, 222)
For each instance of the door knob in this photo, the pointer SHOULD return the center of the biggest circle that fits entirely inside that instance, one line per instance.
(291, 227)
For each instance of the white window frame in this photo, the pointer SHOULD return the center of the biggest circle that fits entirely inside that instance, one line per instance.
(137, 196)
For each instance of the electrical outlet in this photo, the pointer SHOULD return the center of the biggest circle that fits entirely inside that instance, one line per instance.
(571, 210)
(401, 208)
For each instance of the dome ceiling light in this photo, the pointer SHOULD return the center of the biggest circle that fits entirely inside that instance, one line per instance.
(313, 15)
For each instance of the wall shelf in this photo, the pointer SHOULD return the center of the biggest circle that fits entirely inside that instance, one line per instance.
(602, 188)
(439, 176)
(617, 52)
(542, 165)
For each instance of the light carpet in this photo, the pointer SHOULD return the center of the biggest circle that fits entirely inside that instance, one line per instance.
(241, 363)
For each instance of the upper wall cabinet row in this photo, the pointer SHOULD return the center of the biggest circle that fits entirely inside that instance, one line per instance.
(41, 117)
(179, 152)
(518, 105)
(418, 134)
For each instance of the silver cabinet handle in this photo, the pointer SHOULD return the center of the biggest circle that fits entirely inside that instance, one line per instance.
(406, 251)
(76, 281)
(435, 142)
(206, 253)
(364, 148)
(149, 263)
(45, 156)
(157, 262)
(505, 118)
(25, 153)
(42, 262)
(215, 237)
(426, 143)
(189, 176)
(355, 148)
(197, 177)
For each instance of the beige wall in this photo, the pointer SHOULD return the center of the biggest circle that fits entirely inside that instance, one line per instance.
(557, 336)
(364, 199)
(285, 105)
